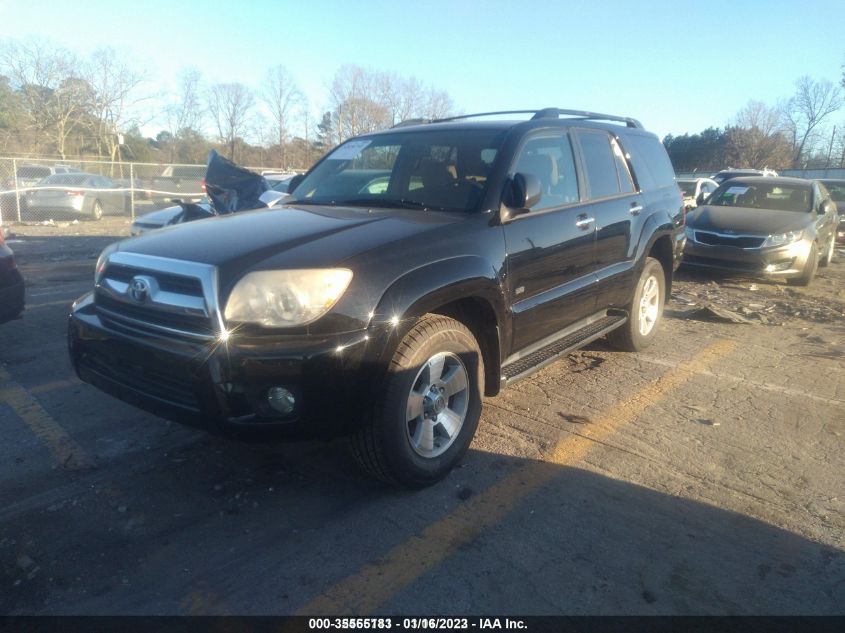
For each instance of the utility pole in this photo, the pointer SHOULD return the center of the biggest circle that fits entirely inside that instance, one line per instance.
(830, 148)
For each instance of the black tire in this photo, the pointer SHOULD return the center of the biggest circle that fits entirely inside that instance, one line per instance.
(809, 271)
(96, 210)
(829, 252)
(383, 445)
(630, 337)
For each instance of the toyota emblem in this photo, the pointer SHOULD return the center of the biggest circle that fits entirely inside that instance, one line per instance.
(139, 290)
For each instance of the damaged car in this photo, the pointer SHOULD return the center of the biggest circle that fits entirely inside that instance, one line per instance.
(764, 226)
(228, 187)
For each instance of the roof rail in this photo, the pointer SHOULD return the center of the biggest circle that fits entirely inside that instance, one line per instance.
(553, 113)
(408, 122)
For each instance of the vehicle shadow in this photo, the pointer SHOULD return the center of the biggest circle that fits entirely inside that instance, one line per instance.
(222, 527)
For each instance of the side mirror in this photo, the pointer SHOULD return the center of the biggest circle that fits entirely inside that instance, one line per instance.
(294, 182)
(522, 192)
(701, 198)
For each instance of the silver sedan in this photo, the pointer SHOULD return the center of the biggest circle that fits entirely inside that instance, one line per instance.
(86, 195)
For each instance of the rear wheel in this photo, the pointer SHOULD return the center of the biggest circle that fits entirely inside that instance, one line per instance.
(829, 252)
(96, 210)
(645, 311)
(429, 409)
(809, 271)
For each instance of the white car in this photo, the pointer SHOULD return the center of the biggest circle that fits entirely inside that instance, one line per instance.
(691, 188)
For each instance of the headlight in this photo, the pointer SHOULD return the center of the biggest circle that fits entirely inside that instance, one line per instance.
(783, 238)
(689, 232)
(286, 298)
(102, 260)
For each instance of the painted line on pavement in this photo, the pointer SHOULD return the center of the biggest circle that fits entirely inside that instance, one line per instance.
(66, 451)
(363, 592)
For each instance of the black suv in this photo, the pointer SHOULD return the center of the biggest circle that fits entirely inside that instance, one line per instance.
(411, 272)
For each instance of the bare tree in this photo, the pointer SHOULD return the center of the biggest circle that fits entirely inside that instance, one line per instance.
(113, 80)
(813, 102)
(281, 96)
(438, 104)
(353, 102)
(53, 94)
(185, 113)
(756, 139)
(229, 106)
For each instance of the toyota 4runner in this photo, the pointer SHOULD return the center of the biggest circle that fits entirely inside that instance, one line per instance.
(411, 272)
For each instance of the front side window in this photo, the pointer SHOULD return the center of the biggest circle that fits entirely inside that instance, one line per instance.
(437, 170)
(549, 157)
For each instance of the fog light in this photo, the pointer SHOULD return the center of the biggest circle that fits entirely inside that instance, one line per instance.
(281, 400)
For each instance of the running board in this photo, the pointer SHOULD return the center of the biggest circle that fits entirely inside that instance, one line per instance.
(527, 365)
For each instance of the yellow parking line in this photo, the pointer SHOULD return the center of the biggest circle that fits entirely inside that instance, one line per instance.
(52, 386)
(376, 582)
(67, 452)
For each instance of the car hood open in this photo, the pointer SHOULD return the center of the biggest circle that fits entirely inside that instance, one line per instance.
(745, 220)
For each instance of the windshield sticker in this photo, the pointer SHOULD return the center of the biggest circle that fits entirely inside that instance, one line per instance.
(736, 191)
(348, 151)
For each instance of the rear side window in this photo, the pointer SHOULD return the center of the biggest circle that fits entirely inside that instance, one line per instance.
(600, 161)
(653, 161)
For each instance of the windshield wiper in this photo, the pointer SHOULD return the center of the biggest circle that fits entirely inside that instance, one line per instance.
(402, 203)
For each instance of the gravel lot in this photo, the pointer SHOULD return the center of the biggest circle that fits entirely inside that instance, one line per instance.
(704, 476)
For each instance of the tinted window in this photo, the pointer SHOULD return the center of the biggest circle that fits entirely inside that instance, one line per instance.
(549, 158)
(622, 171)
(836, 190)
(653, 159)
(65, 179)
(32, 171)
(600, 164)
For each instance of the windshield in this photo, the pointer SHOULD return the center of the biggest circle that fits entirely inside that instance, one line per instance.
(760, 196)
(688, 187)
(441, 170)
(836, 189)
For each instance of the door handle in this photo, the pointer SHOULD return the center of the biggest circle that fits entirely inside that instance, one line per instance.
(583, 222)
(635, 208)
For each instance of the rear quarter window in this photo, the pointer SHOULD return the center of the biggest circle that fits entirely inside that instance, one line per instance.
(651, 162)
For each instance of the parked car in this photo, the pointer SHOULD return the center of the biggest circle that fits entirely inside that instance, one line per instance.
(79, 194)
(231, 188)
(386, 312)
(183, 182)
(727, 174)
(774, 227)
(27, 176)
(11, 283)
(693, 188)
(836, 188)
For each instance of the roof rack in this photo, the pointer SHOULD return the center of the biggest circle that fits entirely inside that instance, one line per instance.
(550, 113)
(408, 122)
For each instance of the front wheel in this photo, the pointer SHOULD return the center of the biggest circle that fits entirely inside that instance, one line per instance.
(809, 271)
(430, 407)
(645, 311)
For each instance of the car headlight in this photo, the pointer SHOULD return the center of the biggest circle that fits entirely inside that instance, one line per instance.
(780, 239)
(102, 260)
(689, 232)
(286, 298)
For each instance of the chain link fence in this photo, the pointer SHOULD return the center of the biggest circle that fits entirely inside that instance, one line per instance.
(35, 190)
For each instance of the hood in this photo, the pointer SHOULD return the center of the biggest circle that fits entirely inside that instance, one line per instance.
(286, 237)
(745, 220)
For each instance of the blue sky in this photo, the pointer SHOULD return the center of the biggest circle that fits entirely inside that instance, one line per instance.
(677, 66)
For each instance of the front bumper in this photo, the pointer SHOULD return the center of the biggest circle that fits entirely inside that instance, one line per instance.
(781, 261)
(222, 387)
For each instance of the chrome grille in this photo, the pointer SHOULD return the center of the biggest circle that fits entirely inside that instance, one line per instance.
(178, 301)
